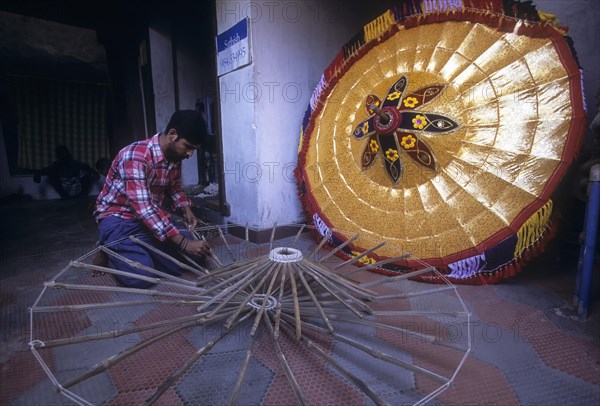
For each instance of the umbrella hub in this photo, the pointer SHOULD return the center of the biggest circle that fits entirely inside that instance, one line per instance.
(386, 120)
(285, 255)
(260, 299)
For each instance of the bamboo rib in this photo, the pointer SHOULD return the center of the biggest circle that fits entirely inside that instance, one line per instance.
(173, 378)
(242, 305)
(414, 294)
(349, 284)
(244, 369)
(150, 292)
(425, 337)
(359, 256)
(378, 354)
(115, 359)
(417, 313)
(359, 383)
(229, 281)
(338, 248)
(297, 314)
(295, 241)
(378, 264)
(235, 288)
(397, 278)
(264, 302)
(315, 301)
(165, 255)
(211, 255)
(226, 245)
(234, 268)
(323, 241)
(93, 306)
(201, 317)
(322, 282)
(247, 297)
(284, 364)
(155, 281)
(284, 273)
(272, 236)
(136, 264)
(195, 264)
(104, 269)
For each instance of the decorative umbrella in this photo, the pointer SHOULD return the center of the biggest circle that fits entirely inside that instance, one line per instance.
(444, 131)
(279, 323)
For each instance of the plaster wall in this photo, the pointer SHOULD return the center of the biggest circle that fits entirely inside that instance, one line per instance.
(163, 78)
(161, 57)
(262, 105)
(195, 80)
(238, 128)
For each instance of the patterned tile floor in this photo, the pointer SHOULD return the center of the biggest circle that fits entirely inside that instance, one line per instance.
(528, 347)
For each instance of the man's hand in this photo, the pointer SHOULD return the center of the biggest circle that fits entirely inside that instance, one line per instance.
(196, 247)
(190, 218)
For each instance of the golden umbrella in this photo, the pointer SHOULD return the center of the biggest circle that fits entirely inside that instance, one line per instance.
(445, 135)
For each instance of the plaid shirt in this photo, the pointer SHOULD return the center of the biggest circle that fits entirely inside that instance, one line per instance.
(136, 184)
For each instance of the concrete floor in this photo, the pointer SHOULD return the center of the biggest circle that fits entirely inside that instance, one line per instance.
(528, 346)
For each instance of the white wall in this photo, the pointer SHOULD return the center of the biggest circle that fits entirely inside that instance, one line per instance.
(262, 105)
(238, 127)
(195, 82)
(188, 71)
(161, 59)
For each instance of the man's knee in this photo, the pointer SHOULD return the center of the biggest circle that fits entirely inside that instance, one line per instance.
(132, 281)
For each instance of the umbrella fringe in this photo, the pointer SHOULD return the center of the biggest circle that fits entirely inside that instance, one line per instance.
(531, 231)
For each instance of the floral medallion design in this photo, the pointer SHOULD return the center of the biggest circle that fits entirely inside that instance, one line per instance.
(398, 123)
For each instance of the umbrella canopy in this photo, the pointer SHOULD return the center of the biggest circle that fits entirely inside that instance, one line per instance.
(445, 135)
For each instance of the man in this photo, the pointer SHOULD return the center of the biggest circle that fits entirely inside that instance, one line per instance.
(140, 177)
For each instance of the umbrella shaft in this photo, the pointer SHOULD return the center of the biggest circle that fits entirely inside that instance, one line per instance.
(384, 117)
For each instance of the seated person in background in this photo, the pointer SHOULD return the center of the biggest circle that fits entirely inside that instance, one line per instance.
(69, 177)
(140, 177)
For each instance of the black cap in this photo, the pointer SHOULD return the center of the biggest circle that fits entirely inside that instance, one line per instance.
(188, 124)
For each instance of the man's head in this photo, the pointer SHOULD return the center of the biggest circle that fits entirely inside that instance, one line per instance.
(185, 132)
(62, 153)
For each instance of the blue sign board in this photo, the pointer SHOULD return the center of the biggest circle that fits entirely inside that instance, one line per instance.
(233, 48)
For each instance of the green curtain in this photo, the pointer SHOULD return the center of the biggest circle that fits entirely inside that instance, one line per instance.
(54, 112)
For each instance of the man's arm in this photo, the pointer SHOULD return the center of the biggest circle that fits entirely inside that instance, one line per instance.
(138, 194)
(180, 201)
(194, 247)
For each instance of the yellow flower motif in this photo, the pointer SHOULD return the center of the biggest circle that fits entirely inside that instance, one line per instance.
(419, 122)
(410, 102)
(391, 154)
(365, 260)
(408, 142)
(393, 96)
(365, 127)
(374, 146)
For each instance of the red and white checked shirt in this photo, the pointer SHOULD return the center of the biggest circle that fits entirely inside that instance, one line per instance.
(138, 180)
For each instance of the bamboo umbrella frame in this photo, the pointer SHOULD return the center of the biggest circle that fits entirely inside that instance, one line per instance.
(288, 294)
